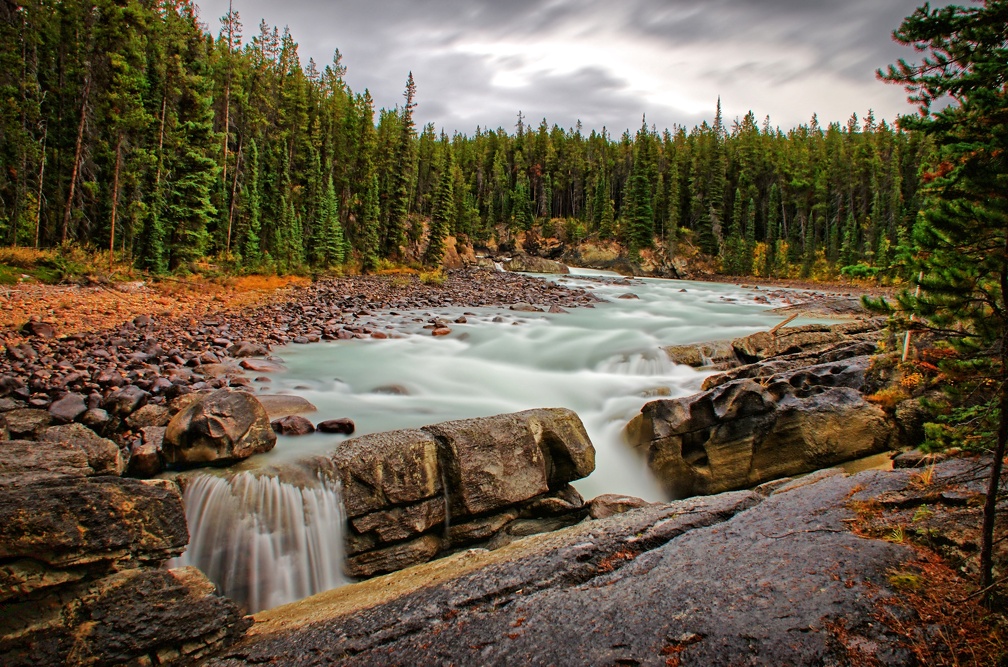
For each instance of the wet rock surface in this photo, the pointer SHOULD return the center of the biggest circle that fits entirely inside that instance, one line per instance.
(736, 578)
(82, 551)
(787, 347)
(221, 427)
(743, 432)
(414, 494)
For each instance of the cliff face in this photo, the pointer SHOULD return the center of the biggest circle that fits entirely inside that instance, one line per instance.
(82, 550)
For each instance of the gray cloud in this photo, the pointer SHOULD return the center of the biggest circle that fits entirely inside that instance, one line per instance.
(478, 62)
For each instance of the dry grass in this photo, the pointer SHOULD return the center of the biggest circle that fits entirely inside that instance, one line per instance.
(935, 612)
(889, 397)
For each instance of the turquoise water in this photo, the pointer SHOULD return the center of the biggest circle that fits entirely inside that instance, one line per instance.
(603, 362)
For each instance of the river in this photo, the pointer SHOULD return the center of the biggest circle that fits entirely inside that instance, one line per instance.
(266, 542)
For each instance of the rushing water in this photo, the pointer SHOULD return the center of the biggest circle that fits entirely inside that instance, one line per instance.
(604, 363)
(266, 542)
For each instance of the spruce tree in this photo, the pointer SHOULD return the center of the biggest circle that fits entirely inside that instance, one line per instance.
(193, 172)
(369, 242)
(328, 249)
(639, 206)
(443, 212)
(961, 238)
(401, 177)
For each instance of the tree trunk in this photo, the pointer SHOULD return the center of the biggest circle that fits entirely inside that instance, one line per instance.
(994, 484)
(234, 197)
(77, 157)
(41, 180)
(115, 199)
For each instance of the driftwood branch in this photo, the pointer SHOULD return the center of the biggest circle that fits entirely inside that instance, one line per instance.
(773, 332)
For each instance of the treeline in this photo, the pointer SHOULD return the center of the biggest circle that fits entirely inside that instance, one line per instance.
(126, 126)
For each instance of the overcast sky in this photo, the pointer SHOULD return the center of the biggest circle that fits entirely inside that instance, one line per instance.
(605, 63)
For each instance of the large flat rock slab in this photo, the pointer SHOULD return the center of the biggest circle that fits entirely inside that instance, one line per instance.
(730, 579)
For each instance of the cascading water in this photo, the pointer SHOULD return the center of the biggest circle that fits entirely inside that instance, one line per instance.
(604, 363)
(263, 541)
(266, 542)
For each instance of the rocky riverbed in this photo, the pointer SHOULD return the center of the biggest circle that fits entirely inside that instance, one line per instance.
(102, 378)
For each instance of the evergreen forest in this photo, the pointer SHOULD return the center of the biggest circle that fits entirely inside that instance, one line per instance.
(132, 126)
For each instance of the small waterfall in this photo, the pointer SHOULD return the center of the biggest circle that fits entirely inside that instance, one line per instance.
(647, 364)
(263, 541)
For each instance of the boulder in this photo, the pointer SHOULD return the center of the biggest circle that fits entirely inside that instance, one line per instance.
(149, 415)
(809, 339)
(383, 470)
(123, 402)
(96, 419)
(145, 456)
(411, 494)
(23, 462)
(123, 618)
(27, 423)
(743, 433)
(279, 405)
(45, 330)
(103, 455)
(343, 425)
(844, 351)
(531, 264)
(525, 308)
(219, 370)
(611, 504)
(292, 425)
(219, 428)
(68, 408)
(502, 460)
(395, 557)
(715, 354)
(93, 522)
(246, 348)
(261, 366)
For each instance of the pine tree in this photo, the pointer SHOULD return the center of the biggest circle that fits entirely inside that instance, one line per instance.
(188, 209)
(369, 227)
(329, 247)
(640, 201)
(736, 259)
(401, 177)
(962, 237)
(521, 204)
(250, 240)
(443, 212)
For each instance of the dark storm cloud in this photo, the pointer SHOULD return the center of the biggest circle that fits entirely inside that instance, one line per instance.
(478, 62)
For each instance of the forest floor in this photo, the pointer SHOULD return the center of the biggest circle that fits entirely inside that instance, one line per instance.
(95, 307)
